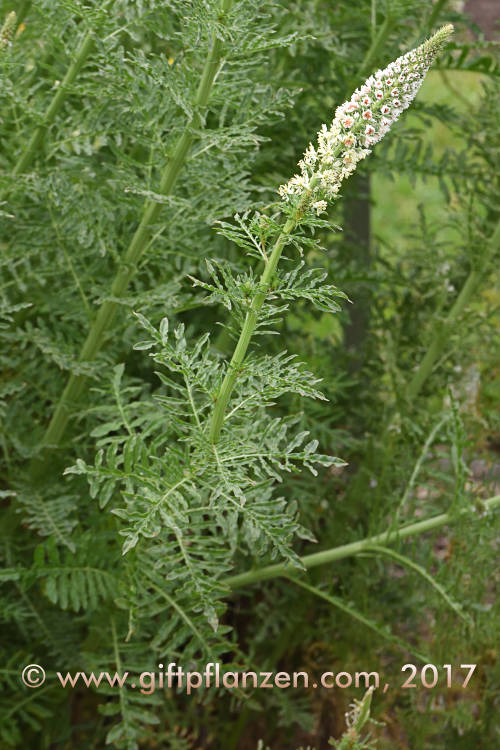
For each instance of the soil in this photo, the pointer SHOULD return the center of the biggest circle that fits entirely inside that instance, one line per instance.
(486, 13)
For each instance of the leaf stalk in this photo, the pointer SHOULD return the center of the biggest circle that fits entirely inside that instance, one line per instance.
(386, 538)
(442, 328)
(82, 54)
(107, 311)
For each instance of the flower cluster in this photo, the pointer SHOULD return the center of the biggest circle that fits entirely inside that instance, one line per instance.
(7, 30)
(360, 123)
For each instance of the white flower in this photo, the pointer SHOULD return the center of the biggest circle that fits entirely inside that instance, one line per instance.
(341, 146)
(319, 207)
(310, 156)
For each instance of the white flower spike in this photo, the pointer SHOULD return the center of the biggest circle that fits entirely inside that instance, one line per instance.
(7, 30)
(360, 123)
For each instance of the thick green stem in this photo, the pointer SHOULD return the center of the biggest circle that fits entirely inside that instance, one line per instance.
(349, 550)
(251, 319)
(442, 328)
(63, 89)
(247, 332)
(140, 241)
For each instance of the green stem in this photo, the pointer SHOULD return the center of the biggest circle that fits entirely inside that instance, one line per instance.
(140, 241)
(63, 89)
(348, 550)
(251, 322)
(442, 328)
(375, 47)
(352, 736)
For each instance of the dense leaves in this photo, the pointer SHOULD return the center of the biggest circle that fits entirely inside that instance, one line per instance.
(119, 543)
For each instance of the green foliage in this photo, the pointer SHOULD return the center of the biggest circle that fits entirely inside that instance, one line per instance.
(120, 539)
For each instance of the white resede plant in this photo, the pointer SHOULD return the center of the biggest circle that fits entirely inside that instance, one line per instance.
(358, 124)
(205, 486)
(7, 31)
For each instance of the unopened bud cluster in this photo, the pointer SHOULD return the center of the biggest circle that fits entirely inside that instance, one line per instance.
(360, 123)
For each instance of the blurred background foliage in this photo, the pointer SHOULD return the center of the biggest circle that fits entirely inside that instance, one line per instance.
(416, 220)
